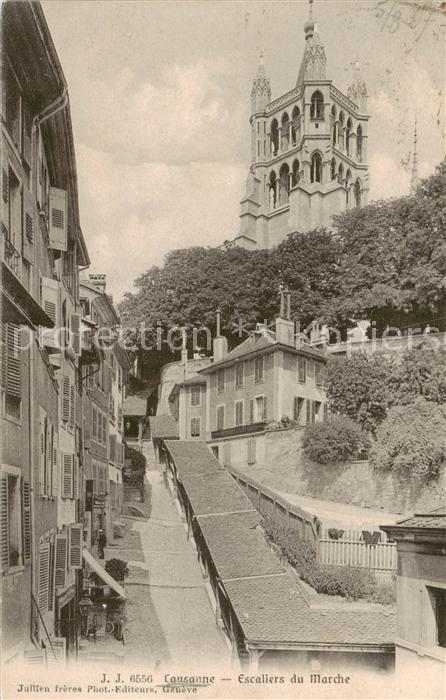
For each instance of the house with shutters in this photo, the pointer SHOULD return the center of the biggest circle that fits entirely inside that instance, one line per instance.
(42, 247)
(105, 367)
(273, 379)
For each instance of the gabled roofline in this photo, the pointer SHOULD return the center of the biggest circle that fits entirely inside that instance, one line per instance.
(311, 352)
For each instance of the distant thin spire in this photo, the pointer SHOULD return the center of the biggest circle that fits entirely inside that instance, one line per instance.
(415, 178)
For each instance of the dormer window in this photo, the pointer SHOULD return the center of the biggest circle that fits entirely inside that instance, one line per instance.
(317, 106)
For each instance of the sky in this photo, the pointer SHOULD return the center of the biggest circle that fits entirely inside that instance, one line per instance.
(160, 101)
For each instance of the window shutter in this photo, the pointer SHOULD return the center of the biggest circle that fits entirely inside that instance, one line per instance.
(5, 199)
(44, 565)
(104, 429)
(120, 419)
(265, 408)
(13, 361)
(4, 354)
(66, 408)
(72, 404)
(26, 520)
(75, 333)
(48, 458)
(67, 475)
(308, 408)
(55, 465)
(50, 301)
(251, 411)
(51, 576)
(75, 476)
(42, 437)
(75, 556)
(60, 561)
(35, 657)
(57, 652)
(4, 522)
(313, 411)
(58, 219)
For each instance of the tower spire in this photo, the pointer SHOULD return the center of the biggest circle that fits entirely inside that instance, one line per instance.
(415, 178)
(314, 62)
(261, 88)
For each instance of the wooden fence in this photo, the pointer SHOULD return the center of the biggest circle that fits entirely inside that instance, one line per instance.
(272, 506)
(351, 550)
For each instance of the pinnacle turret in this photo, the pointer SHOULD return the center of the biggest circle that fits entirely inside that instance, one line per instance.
(314, 62)
(261, 89)
(357, 91)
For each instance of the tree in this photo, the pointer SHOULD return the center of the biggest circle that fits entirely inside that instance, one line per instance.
(336, 440)
(359, 387)
(411, 441)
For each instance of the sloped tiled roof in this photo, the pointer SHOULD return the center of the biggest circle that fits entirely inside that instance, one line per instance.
(435, 519)
(273, 609)
(163, 426)
(237, 547)
(193, 457)
(215, 493)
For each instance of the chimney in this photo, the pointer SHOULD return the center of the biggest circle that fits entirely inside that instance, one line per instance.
(284, 324)
(220, 343)
(98, 281)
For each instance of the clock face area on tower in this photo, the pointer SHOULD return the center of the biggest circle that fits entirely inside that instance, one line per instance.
(309, 150)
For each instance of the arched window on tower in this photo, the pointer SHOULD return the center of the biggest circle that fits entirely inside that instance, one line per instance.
(334, 126)
(341, 173)
(333, 169)
(359, 143)
(348, 134)
(341, 130)
(272, 190)
(316, 167)
(317, 105)
(348, 182)
(295, 125)
(274, 137)
(295, 177)
(285, 131)
(284, 184)
(358, 194)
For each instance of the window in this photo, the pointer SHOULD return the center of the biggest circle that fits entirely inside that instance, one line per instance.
(195, 427)
(359, 143)
(10, 376)
(220, 417)
(319, 373)
(220, 381)
(309, 411)
(11, 105)
(195, 395)
(239, 412)
(316, 168)
(438, 601)
(298, 408)
(239, 375)
(12, 219)
(317, 105)
(317, 412)
(301, 369)
(357, 193)
(258, 369)
(260, 408)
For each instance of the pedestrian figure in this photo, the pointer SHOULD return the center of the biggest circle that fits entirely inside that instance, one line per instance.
(102, 542)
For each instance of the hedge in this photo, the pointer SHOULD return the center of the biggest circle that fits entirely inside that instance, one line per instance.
(338, 439)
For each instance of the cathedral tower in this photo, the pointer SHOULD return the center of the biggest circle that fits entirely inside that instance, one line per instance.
(309, 150)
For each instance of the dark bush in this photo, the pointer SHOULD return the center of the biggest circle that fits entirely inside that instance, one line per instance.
(296, 552)
(338, 439)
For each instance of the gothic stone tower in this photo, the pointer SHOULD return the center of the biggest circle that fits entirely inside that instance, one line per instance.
(309, 151)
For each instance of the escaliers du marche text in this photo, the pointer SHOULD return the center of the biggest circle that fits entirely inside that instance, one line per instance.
(187, 684)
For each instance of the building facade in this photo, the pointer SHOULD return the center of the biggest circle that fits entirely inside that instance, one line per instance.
(308, 153)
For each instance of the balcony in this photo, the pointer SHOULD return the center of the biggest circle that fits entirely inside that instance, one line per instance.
(239, 430)
(12, 257)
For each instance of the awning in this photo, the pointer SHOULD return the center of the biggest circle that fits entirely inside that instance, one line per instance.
(18, 304)
(101, 572)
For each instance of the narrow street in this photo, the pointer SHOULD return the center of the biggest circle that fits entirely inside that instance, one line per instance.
(169, 612)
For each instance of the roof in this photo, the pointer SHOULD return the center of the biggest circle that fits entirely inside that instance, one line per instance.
(193, 457)
(273, 609)
(260, 343)
(433, 522)
(265, 597)
(163, 426)
(235, 556)
(134, 406)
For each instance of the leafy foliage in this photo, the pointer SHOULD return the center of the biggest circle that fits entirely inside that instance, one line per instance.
(117, 568)
(411, 441)
(346, 581)
(336, 440)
